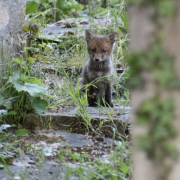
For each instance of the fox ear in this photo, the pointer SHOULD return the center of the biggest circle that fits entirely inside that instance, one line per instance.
(112, 37)
(89, 35)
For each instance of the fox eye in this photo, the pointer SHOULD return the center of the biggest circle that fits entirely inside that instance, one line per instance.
(103, 50)
(93, 50)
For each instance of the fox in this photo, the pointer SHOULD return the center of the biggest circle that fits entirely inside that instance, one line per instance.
(99, 68)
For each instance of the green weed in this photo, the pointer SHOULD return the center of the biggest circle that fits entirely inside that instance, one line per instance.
(116, 167)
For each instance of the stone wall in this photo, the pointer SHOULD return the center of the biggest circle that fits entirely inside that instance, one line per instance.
(146, 30)
(12, 17)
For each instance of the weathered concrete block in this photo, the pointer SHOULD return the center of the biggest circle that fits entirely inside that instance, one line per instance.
(71, 120)
(12, 17)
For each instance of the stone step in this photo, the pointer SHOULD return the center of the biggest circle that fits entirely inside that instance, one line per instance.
(60, 30)
(71, 119)
(53, 68)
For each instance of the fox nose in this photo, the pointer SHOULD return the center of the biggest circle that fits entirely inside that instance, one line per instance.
(96, 59)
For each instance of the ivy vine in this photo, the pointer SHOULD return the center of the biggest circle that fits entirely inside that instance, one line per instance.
(157, 61)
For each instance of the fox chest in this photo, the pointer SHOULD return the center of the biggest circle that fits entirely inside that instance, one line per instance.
(92, 75)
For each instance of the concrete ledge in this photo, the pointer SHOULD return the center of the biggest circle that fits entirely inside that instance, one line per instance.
(71, 120)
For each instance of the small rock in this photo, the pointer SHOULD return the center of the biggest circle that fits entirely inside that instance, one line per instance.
(68, 33)
(50, 172)
(50, 33)
(84, 22)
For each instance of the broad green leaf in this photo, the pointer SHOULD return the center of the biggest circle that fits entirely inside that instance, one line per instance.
(19, 61)
(21, 132)
(33, 80)
(31, 59)
(39, 105)
(32, 89)
(47, 50)
(5, 102)
(12, 113)
(31, 7)
(33, 50)
(42, 45)
(69, 5)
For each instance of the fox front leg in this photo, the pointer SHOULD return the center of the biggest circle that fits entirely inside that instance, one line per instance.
(108, 95)
(92, 97)
(101, 93)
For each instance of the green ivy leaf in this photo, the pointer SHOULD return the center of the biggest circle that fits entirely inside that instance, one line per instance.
(31, 7)
(166, 8)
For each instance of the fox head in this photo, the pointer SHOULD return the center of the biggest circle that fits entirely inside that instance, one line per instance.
(100, 47)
